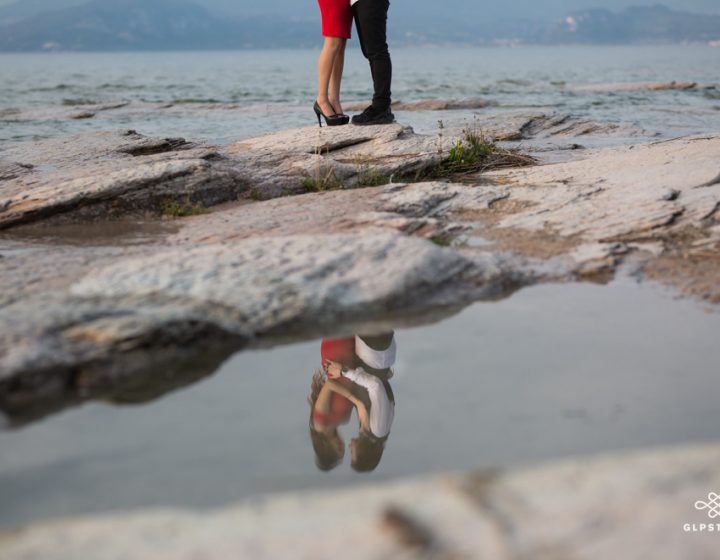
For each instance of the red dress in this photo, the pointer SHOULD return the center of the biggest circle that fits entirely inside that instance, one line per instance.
(337, 18)
(341, 350)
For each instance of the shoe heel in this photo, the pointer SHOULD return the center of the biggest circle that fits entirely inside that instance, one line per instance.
(318, 113)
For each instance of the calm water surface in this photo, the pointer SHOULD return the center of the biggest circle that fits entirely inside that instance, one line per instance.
(223, 95)
(552, 371)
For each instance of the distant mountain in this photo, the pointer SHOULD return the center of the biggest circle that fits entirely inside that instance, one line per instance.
(19, 10)
(655, 24)
(457, 10)
(107, 25)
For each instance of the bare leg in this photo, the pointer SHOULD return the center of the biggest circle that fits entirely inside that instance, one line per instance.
(336, 78)
(325, 70)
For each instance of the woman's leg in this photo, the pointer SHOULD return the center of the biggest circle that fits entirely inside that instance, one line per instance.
(336, 78)
(325, 71)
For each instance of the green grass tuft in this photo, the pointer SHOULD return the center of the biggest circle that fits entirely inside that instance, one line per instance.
(184, 209)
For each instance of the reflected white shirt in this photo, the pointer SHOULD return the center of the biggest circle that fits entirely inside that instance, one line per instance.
(382, 410)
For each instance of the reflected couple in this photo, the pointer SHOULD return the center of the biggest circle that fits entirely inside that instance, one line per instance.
(355, 374)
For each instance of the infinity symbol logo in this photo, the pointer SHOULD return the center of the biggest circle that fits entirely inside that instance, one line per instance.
(712, 505)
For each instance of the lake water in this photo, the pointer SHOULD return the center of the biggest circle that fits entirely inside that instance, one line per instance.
(552, 371)
(224, 95)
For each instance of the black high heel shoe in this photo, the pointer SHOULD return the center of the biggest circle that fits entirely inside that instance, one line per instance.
(332, 120)
(343, 115)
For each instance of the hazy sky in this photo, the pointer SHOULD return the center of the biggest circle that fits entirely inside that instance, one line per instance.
(487, 9)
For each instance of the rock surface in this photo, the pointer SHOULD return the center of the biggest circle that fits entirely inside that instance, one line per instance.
(96, 175)
(96, 333)
(658, 197)
(636, 505)
(92, 316)
(640, 86)
(432, 105)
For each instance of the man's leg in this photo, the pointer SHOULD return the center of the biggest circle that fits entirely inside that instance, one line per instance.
(361, 37)
(371, 23)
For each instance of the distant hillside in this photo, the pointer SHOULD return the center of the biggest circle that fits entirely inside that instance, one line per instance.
(22, 9)
(107, 25)
(656, 24)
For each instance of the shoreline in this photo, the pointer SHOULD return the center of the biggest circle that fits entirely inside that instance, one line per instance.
(353, 45)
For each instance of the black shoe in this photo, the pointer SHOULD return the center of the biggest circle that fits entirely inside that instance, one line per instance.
(343, 115)
(371, 115)
(332, 120)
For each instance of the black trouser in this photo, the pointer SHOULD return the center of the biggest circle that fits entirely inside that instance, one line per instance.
(371, 23)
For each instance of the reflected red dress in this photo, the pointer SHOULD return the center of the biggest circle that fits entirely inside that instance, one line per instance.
(337, 18)
(341, 350)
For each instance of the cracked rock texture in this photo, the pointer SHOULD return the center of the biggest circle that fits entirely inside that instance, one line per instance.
(112, 174)
(659, 198)
(93, 305)
(633, 505)
(104, 330)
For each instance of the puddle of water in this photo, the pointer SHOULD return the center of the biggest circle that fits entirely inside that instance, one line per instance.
(118, 233)
(550, 372)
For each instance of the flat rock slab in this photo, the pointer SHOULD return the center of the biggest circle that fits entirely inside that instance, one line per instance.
(115, 325)
(634, 505)
(640, 86)
(659, 198)
(432, 105)
(618, 192)
(108, 174)
(111, 174)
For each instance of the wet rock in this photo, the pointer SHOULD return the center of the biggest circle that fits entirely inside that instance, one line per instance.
(100, 174)
(633, 505)
(81, 115)
(91, 176)
(71, 350)
(431, 105)
(545, 126)
(70, 110)
(103, 324)
(638, 86)
(516, 126)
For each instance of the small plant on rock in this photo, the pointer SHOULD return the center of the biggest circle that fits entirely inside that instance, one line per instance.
(175, 209)
(324, 179)
(470, 152)
(368, 177)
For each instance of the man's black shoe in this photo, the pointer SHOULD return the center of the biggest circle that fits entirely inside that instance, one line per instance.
(374, 116)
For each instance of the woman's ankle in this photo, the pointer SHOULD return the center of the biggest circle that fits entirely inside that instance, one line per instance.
(325, 105)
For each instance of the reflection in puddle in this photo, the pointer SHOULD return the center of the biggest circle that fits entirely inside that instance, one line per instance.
(551, 372)
(355, 375)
